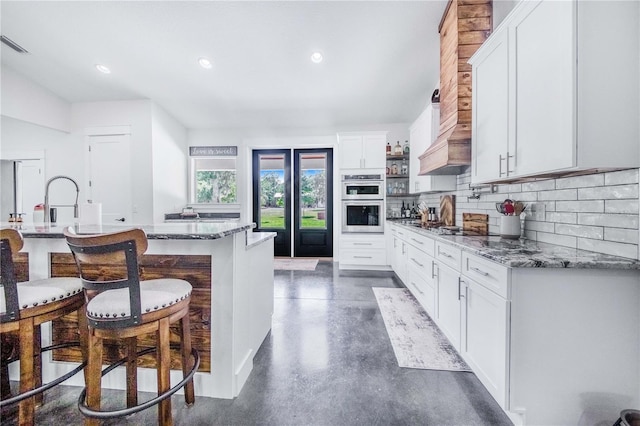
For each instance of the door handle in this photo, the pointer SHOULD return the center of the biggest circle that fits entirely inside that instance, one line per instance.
(122, 219)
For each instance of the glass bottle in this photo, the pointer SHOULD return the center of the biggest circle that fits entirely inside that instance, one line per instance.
(388, 148)
(406, 147)
(397, 150)
(394, 169)
(404, 168)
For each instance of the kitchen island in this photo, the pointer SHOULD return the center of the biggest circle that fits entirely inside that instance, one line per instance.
(231, 271)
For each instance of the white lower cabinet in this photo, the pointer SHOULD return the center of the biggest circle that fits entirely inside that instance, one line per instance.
(421, 278)
(485, 331)
(529, 334)
(449, 311)
(360, 250)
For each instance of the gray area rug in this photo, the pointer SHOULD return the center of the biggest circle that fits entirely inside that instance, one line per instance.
(417, 342)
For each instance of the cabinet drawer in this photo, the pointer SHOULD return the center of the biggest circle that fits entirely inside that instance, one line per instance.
(421, 242)
(363, 244)
(448, 255)
(363, 257)
(420, 261)
(491, 275)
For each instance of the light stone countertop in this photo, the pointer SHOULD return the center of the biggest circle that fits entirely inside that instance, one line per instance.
(155, 231)
(523, 253)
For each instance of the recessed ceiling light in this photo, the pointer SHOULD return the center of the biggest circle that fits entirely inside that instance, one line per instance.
(103, 69)
(205, 63)
(316, 57)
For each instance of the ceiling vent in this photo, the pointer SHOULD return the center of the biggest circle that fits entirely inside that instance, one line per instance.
(12, 44)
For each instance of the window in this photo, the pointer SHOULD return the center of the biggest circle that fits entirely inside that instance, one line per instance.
(213, 180)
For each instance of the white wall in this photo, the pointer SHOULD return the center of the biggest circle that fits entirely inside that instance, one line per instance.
(137, 115)
(63, 155)
(170, 157)
(249, 139)
(24, 100)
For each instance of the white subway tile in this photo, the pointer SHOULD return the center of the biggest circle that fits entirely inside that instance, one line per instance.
(608, 192)
(609, 220)
(524, 196)
(621, 235)
(580, 181)
(561, 217)
(621, 177)
(608, 247)
(542, 185)
(533, 225)
(561, 240)
(530, 235)
(594, 232)
(561, 194)
(621, 206)
(591, 206)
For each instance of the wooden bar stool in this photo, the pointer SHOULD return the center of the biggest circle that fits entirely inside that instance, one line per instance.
(122, 307)
(24, 307)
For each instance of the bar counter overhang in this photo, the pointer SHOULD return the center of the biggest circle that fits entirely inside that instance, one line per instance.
(231, 303)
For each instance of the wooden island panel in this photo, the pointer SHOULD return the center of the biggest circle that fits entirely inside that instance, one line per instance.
(196, 269)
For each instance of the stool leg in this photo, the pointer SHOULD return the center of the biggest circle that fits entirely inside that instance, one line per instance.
(92, 376)
(27, 381)
(185, 338)
(132, 372)
(164, 365)
(83, 335)
(37, 364)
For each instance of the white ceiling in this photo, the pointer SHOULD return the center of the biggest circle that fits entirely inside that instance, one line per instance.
(381, 57)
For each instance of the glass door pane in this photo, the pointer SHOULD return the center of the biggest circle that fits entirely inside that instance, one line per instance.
(273, 200)
(312, 200)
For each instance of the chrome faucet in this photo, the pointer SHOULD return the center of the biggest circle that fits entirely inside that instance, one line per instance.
(47, 207)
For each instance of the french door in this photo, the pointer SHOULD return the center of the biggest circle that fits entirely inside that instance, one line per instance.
(295, 200)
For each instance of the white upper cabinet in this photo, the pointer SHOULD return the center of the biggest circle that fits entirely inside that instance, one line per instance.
(555, 88)
(422, 133)
(362, 150)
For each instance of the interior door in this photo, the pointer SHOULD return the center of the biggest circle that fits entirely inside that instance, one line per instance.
(313, 203)
(272, 196)
(110, 176)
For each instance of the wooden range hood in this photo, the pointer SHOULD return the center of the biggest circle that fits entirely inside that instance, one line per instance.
(465, 25)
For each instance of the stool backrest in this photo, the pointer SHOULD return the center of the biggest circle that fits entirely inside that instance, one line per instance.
(10, 243)
(108, 262)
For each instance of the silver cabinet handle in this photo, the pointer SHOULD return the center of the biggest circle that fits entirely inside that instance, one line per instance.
(362, 257)
(362, 244)
(433, 267)
(481, 272)
(509, 172)
(500, 159)
(417, 263)
(417, 241)
(416, 287)
(446, 254)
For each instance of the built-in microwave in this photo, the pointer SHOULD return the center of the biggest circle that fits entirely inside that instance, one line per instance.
(362, 187)
(363, 216)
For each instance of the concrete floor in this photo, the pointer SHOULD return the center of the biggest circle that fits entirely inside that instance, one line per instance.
(327, 361)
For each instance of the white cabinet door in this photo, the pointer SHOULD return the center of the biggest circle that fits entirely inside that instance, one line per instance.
(373, 151)
(485, 331)
(545, 88)
(490, 131)
(351, 152)
(448, 318)
(362, 150)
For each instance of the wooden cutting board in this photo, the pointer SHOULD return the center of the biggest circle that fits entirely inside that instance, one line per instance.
(448, 210)
(475, 222)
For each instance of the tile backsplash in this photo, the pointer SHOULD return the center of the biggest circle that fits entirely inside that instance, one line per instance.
(597, 212)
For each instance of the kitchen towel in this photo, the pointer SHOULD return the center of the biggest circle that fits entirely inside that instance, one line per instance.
(90, 214)
(416, 340)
